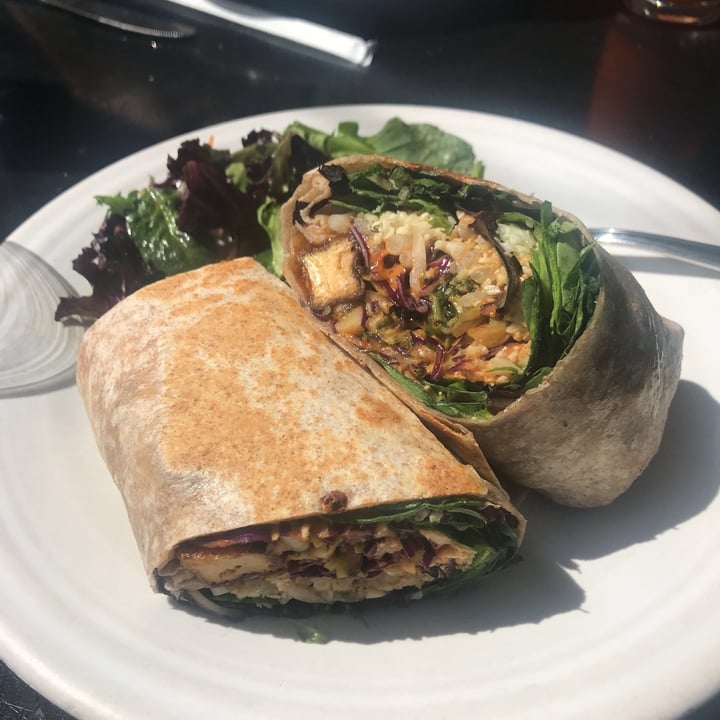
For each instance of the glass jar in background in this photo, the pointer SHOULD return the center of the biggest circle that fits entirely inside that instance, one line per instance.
(680, 12)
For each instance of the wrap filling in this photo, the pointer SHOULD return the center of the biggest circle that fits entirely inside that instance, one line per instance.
(466, 293)
(345, 557)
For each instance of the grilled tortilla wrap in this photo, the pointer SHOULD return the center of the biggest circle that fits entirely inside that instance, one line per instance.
(479, 305)
(259, 464)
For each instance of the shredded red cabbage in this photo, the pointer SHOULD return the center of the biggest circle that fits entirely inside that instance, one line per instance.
(442, 263)
(362, 244)
(399, 297)
(439, 357)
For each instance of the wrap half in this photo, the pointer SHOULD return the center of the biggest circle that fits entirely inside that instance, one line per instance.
(260, 465)
(480, 305)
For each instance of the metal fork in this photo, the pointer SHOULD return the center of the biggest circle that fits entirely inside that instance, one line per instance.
(697, 253)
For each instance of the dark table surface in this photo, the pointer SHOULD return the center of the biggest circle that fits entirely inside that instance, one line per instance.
(75, 96)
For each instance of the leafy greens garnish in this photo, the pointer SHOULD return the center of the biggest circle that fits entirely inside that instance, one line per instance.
(216, 204)
(150, 218)
(418, 142)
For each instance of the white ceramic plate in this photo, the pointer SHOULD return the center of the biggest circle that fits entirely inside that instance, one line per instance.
(613, 612)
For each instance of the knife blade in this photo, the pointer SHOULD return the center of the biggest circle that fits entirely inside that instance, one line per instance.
(124, 18)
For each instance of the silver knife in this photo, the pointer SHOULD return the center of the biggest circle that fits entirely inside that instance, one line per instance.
(124, 18)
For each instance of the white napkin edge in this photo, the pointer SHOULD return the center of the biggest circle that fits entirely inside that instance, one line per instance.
(352, 48)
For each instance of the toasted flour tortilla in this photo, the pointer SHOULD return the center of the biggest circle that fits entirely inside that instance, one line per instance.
(260, 464)
(587, 430)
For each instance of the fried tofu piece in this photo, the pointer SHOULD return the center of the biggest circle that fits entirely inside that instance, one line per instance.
(332, 274)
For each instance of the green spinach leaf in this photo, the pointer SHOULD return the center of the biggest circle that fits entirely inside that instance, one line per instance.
(150, 215)
(416, 142)
(456, 398)
(560, 297)
(269, 219)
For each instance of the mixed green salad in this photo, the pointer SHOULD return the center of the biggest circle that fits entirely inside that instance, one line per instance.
(217, 204)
